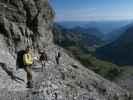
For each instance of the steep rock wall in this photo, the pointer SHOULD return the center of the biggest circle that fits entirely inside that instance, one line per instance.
(26, 22)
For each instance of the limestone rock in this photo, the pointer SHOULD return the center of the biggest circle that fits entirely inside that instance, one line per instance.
(29, 22)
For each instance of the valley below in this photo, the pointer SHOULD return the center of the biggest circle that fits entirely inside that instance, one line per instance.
(120, 72)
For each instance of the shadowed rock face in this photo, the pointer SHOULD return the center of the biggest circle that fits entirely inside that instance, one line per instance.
(28, 22)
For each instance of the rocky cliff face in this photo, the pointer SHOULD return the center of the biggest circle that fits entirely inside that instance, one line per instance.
(29, 22)
(26, 22)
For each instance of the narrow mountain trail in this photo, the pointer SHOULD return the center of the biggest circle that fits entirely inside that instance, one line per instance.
(68, 80)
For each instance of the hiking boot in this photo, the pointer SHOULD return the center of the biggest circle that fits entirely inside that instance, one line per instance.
(29, 84)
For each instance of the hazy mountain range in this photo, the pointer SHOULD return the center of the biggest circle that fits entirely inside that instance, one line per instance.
(117, 45)
(104, 26)
(115, 34)
(77, 36)
(119, 51)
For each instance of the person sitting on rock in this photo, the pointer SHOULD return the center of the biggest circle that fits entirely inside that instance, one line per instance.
(43, 58)
(28, 61)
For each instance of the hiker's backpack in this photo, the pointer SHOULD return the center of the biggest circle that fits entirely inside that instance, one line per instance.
(27, 59)
(43, 57)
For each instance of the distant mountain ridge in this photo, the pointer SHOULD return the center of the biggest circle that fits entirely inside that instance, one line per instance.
(88, 30)
(77, 36)
(104, 26)
(119, 51)
(115, 34)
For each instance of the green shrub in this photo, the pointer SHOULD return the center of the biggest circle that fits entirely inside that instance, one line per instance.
(105, 69)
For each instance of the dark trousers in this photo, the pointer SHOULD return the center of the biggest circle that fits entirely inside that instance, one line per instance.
(28, 69)
(43, 65)
(57, 60)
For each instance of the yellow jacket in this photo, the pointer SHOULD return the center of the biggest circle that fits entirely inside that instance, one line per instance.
(27, 59)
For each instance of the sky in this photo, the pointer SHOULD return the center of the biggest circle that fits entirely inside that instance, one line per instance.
(86, 10)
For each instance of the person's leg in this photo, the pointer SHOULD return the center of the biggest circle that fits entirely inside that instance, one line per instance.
(30, 73)
(43, 65)
(26, 70)
(29, 76)
(57, 60)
